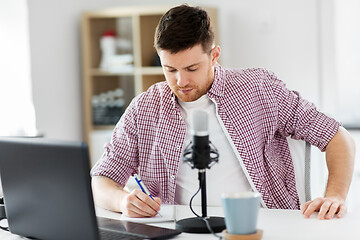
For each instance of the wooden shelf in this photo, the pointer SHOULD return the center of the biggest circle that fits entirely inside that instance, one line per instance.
(99, 72)
(150, 71)
(136, 71)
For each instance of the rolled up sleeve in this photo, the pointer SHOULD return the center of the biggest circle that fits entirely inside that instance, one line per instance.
(300, 118)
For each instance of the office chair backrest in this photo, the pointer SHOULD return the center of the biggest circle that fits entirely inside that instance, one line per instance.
(301, 154)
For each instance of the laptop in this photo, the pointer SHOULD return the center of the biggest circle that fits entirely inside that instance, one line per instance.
(47, 194)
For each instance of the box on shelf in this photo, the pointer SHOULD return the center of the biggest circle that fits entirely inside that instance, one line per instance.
(108, 107)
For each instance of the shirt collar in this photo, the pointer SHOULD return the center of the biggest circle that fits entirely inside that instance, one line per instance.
(218, 86)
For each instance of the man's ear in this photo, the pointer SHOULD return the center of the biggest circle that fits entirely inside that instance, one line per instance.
(215, 54)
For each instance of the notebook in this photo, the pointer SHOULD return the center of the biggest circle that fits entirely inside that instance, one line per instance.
(167, 214)
(47, 193)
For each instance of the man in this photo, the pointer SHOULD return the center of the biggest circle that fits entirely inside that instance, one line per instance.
(250, 115)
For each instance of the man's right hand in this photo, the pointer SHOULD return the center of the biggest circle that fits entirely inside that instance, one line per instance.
(138, 204)
(110, 195)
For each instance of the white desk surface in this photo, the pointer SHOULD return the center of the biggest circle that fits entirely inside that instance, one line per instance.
(276, 224)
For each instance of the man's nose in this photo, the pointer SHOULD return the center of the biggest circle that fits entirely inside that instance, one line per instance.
(182, 80)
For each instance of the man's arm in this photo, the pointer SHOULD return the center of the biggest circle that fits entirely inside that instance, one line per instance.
(110, 195)
(340, 154)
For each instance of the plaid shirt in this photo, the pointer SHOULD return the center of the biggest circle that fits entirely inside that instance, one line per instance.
(258, 111)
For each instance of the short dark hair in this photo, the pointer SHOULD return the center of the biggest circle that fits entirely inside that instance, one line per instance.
(183, 27)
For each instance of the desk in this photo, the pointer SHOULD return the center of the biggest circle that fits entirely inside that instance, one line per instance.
(277, 225)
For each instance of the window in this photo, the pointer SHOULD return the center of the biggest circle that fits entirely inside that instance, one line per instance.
(17, 114)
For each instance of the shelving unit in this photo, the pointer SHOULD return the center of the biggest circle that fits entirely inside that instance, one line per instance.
(135, 24)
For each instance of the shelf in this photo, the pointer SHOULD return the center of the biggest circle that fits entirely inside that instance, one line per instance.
(128, 11)
(141, 71)
(99, 72)
(151, 71)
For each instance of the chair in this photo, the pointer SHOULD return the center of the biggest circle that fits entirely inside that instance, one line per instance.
(301, 154)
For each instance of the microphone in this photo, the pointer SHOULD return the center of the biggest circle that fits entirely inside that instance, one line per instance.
(200, 153)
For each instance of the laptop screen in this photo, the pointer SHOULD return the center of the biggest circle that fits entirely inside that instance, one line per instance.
(44, 191)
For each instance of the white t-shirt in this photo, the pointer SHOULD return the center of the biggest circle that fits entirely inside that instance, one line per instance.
(226, 176)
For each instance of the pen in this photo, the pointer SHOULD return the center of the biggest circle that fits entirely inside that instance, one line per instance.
(144, 188)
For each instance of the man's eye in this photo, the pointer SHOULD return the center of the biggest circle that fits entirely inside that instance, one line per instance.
(192, 69)
(171, 70)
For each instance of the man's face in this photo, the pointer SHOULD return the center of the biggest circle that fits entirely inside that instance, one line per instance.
(189, 73)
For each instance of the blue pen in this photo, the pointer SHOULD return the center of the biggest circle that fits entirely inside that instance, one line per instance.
(143, 187)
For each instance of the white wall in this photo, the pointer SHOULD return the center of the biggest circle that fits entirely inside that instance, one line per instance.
(348, 60)
(280, 35)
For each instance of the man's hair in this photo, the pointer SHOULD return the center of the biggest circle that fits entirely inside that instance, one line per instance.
(183, 27)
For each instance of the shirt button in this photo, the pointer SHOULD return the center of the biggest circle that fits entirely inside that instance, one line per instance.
(172, 177)
(178, 147)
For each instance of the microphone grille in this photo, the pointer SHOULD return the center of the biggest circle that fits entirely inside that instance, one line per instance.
(200, 122)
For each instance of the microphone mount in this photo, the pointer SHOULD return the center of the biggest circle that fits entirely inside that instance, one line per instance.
(204, 160)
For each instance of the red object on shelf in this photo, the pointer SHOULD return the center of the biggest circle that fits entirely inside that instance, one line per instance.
(109, 33)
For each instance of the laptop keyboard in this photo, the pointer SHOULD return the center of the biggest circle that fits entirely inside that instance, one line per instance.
(111, 235)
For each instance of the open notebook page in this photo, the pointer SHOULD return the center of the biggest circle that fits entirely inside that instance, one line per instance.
(167, 215)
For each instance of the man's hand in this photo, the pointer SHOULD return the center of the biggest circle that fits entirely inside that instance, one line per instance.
(327, 207)
(110, 195)
(340, 155)
(137, 204)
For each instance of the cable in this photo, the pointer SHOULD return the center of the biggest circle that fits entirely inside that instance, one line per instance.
(203, 218)
(210, 229)
(4, 228)
(190, 204)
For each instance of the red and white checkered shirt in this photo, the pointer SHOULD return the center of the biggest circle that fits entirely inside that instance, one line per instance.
(258, 111)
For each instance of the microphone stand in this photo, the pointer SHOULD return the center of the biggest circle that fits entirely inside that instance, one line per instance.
(202, 182)
(198, 224)
(201, 154)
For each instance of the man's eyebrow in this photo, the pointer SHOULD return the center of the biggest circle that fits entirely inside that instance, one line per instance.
(167, 66)
(192, 65)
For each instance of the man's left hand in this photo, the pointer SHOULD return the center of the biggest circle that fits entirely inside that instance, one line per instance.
(327, 207)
